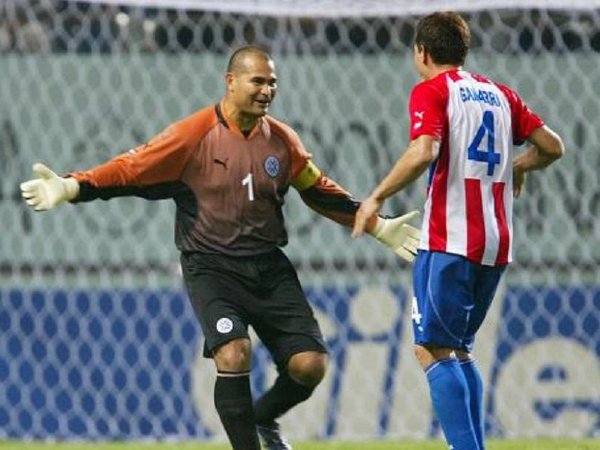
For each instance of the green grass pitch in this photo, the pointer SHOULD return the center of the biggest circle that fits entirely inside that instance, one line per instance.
(537, 444)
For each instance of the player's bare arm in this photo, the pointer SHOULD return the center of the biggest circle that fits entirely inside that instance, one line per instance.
(421, 152)
(547, 147)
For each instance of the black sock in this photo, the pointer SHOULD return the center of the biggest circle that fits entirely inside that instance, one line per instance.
(285, 394)
(233, 401)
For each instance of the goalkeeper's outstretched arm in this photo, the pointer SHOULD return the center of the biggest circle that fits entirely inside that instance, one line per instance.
(329, 199)
(150, 171)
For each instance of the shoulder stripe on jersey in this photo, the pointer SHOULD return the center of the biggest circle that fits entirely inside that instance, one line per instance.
(220, 115)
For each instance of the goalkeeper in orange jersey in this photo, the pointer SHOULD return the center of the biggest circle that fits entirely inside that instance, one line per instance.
(228, 167)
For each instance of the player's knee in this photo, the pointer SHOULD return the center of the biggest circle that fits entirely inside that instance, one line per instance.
(428, 354)
(422, 355)
(233, 356)
(463, 356)
(308, 368)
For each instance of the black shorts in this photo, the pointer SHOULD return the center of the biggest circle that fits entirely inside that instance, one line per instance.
(229, 293)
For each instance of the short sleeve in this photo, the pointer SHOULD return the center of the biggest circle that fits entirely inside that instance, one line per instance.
(524, 121)
(427, 109)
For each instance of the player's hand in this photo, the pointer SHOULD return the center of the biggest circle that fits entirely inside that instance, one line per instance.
(396, 233)
(48, 189)
(369, 207)
(518, 182)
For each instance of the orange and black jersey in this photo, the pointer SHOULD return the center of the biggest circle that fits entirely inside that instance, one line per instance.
(229, 188)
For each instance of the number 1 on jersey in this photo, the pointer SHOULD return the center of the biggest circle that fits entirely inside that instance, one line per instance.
(488, 155)
(247, 181)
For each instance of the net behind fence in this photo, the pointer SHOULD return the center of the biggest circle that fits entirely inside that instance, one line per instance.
(98, 340)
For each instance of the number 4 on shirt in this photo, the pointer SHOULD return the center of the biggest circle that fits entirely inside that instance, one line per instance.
(488, 155)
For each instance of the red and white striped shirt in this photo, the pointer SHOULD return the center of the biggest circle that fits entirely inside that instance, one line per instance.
(469, 197)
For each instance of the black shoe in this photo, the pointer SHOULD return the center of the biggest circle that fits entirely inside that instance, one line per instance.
(270, 435)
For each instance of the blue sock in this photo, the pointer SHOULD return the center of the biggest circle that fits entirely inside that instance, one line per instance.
(450, 397)
(475, 384)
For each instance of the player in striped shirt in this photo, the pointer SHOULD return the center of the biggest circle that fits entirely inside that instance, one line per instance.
(463, 128)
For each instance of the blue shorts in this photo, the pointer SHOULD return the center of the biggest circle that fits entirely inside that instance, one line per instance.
(452, 297)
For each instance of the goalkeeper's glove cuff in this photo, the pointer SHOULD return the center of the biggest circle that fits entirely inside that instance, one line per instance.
(378, 228)
(71, 186)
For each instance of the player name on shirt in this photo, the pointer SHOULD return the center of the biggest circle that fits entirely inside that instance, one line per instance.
(479, 95)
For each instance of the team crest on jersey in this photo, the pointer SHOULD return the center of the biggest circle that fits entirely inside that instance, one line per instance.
(272, 166)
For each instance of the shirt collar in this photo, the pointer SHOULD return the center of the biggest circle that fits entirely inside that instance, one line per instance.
(226, 120)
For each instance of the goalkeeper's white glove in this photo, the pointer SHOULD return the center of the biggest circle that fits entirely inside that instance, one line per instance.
(49, 189)
(396, 233)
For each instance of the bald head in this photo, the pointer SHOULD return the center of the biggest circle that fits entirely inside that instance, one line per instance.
(239, 60)
(250, 86)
